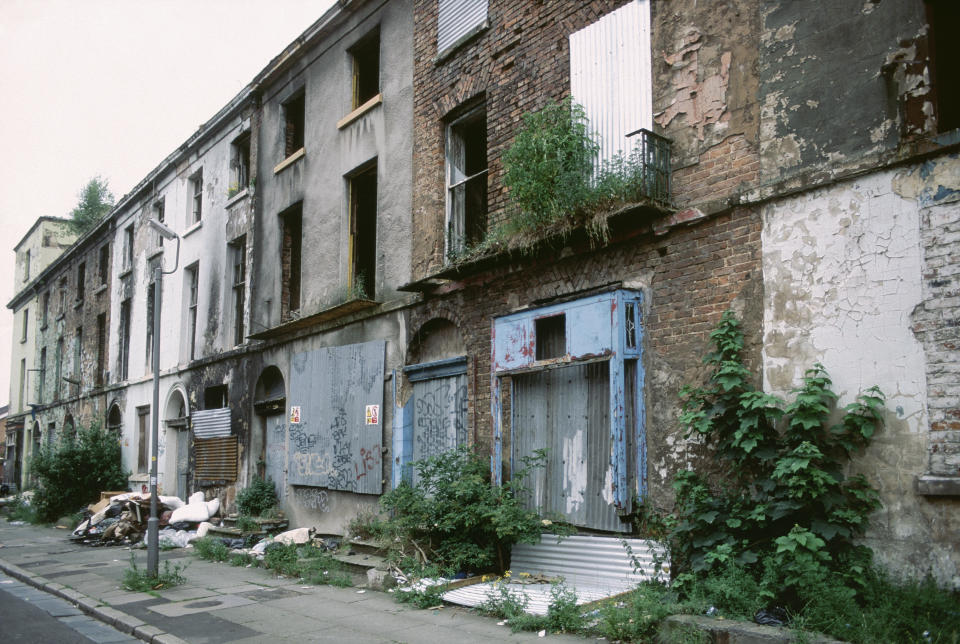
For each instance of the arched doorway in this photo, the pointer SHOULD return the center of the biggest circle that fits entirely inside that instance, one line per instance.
(176, 474)
(269, 442)
(69, 427)
(115, 421)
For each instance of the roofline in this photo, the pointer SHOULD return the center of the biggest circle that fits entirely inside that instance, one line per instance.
(36, 224)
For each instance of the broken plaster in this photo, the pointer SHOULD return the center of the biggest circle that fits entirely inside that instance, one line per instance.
(702, 102)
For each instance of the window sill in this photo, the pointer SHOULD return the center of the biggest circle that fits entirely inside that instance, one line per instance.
(60, 316)
(43, 327)
(360, 111)
(155, 252)
(237, 198)
(192, 229)
(100, 289)
(290, 160)
(125, 272)
(77, 304)
(442, 56)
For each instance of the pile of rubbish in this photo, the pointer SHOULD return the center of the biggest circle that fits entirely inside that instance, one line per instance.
(122, 520)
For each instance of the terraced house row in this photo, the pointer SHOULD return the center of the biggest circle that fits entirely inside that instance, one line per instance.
(347, 292)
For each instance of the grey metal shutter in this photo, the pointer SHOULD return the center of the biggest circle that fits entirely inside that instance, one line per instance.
(211, 423)
(455, 18)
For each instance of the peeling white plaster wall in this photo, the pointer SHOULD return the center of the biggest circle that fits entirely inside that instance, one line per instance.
(842, 269)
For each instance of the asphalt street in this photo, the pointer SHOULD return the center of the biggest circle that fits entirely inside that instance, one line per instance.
(29, 615)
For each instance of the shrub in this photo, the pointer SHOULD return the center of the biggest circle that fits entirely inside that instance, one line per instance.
(306, 562)
(456, 518)
(257, 498)
(73, 472)
(211, 549)
(548, 167)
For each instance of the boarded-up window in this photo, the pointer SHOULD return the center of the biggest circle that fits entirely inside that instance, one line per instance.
(457, 20)
(215, 458)
(336, 394)
(610, 76)
(438, 410)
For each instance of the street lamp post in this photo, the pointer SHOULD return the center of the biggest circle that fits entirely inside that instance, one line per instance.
(153, 523)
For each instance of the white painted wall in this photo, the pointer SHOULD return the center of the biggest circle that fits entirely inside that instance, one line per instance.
(842, 269)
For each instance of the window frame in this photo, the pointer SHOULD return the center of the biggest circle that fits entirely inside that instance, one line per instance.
(191, 292)
(465, 226)
(195, 200)
(363, 247)
(365, 61)
(294, 118)
(238, 251)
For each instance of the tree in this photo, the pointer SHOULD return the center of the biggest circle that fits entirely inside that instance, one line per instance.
(95, 201)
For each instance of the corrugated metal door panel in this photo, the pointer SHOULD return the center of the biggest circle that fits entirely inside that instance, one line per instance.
(439, 416)
(610, 76)
(566, 411)
(457, 17)
(211, 423)
(216, 458)
(332, 445)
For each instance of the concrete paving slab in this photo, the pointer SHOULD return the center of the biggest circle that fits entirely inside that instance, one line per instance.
(202, 628)
(121, 597)
(236, 589)
(181, 593)
(202, 605)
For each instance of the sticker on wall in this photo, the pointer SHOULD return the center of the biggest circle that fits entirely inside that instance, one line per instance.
(373, 414)
(295, 414)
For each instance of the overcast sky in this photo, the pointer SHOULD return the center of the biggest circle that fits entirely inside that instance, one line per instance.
(111, 87)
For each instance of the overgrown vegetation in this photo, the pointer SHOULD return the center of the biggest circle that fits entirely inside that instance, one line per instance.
(139, 580)
(553, 184)
(258, 498)
(20, 510)
(73, 471)
(305, 562)
(454, 518)
(781, 530)
(94, 201)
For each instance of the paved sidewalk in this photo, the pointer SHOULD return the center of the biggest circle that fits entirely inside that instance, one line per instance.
(221, 603)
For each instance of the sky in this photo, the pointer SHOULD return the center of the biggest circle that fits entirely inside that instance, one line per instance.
(110, 88)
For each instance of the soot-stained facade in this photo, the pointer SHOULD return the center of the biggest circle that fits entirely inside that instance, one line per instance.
(331, 316)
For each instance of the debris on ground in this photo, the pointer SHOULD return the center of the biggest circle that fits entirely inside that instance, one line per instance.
(122, 519)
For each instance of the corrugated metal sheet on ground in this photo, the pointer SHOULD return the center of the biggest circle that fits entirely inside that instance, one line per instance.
(593, 567)
(211, 423)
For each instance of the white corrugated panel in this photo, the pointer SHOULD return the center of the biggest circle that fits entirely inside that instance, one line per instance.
(610, 76)
(455, 18)
(593, 567)
(211, 423)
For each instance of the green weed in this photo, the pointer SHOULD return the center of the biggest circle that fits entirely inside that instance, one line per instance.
(138, 580)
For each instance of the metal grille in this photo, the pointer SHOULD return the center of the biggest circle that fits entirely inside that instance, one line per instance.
(216, 458)
(653, 153)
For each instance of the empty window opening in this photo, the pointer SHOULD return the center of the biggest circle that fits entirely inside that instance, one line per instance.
(23, 382)
(551, 337)
(290, 252)
(51, 434)
(192, 277)
(99, 376)
(104, 264)
(78, 355)
(943, 17)
(159, 213)
(62, 296)
(124, 358)
(215, 397)
(128, 247)
(466, 180)
(58, 369)
(26, 266)
(45, 311)
(363, 233)
(240, 164)
(151, 295)
(115, 420)
(196, 200)
(366, 68)
(293, 117)
(143, 444)
(81, 281)
(238, 249)
(26, 322)
(42, 374)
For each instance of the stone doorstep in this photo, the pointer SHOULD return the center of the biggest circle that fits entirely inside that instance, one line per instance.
(733, 632)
